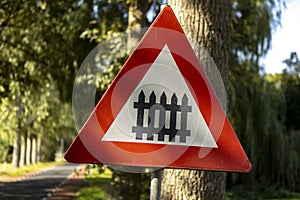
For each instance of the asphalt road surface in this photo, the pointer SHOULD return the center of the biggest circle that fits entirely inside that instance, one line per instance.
(39, 186)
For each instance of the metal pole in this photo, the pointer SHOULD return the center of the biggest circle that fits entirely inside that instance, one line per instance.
(155, 188)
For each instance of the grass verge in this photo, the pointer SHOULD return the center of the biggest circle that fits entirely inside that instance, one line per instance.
(268, 193)
(98, 188)
(11, 171)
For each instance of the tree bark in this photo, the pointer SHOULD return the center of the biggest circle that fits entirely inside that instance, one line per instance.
(16, 149)
(207, 23)
(28, 149)
(137, 20)
(39, 153)
(34, 150)
(17, 139)
(22, 161)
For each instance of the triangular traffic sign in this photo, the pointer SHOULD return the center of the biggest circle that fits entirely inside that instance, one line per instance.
(160, 111)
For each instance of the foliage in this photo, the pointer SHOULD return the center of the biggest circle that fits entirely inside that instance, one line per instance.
(264, 109)
(108, 75)
(291, 86)
(4, 151)
(240, 193)
(267, 124)
(32, 34)
(293, 64)
(40, 51)
(252, 23)
(109, 17)
(130, 185)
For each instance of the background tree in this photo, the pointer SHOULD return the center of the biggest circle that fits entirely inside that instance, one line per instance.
(291, 88)
(258, 103)
(38, 42)
(207, 23)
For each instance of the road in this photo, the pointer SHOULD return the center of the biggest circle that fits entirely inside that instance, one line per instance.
(39, 186)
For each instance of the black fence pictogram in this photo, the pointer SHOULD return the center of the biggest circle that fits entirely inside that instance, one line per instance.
(161, 129)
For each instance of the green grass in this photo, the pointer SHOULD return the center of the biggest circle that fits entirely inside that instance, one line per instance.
(98, 185)
(14, 172)
(93, 192)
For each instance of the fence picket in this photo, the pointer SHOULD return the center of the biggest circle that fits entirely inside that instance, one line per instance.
(141, 105)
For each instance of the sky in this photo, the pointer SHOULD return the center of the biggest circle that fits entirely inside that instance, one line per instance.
(285, 40)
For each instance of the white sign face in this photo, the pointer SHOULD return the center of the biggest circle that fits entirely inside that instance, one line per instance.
(161, 110)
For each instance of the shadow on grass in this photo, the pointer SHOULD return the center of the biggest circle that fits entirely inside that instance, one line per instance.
(265, 193)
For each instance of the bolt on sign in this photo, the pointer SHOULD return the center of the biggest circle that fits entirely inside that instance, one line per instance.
(160, 111)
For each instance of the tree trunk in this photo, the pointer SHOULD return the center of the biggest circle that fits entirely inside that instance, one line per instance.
(207, 23)
(137, 10)
(17, 140)
(137, 20)
(61, 148)
(22, 161)
(28, 149)
(34, 150)
(38, 149)
(16, 149)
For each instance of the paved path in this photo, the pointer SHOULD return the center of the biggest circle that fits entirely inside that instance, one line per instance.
(39, 186)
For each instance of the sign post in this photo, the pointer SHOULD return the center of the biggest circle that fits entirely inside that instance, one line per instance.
(155, 187)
